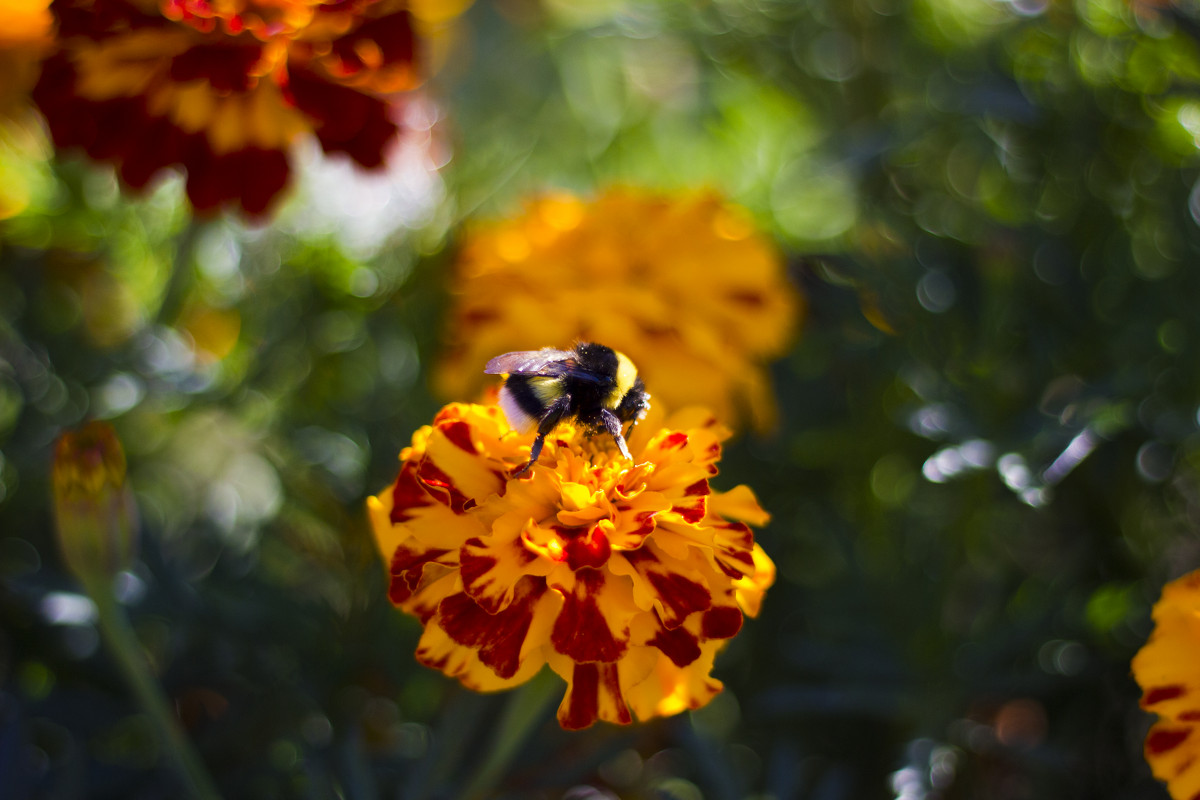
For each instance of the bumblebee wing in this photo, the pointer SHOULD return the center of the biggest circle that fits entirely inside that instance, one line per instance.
(547, 362)
(573, 370)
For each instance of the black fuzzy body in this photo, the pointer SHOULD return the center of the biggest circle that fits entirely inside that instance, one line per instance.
(590, 384)
(586, 396)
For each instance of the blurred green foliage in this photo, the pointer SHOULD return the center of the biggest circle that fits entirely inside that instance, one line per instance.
(986, 468)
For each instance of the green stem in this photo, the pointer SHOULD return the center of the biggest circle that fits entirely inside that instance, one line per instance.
(524, 710)
(124, 646)
(179, 282)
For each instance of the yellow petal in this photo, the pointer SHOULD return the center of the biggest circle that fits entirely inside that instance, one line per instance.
(739, 503)
(750, 590)
(670, 689)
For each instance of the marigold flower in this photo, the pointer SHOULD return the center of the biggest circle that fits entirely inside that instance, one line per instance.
(1168, 670)
(223, 87)
(683, 285)
(626, 578)
(93, 506)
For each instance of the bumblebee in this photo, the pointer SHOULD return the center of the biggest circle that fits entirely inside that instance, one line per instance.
(593, 384)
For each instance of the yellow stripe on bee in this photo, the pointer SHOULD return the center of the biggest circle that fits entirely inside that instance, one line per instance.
(547, 389)
(626, 375)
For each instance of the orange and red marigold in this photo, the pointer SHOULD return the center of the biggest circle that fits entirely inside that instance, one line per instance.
(223, 87)
(1168, 670)
(626, 578)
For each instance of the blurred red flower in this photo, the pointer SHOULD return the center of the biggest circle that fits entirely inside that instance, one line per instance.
(223, 87)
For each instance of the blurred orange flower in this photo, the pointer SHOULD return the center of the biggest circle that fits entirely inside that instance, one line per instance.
(625, 577)
(683, 285)
(223, 87)
(24, 40)
(1168, 670)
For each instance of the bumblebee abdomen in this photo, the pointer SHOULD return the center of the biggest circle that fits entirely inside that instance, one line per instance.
(525, 398)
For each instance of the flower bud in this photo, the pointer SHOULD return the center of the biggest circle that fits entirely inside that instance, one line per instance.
(93, 506)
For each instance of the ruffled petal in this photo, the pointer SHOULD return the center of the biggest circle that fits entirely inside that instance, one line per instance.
(750, 590)
(497, 639)
(675, 592)
(438, 651)
(636, 519)
(593, 692)
(1166, 669)
(739, 503)
(671, 688)
(492, 567)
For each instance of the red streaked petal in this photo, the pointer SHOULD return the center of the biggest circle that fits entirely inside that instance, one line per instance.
(407, 494)
(749, 590)
(225, 65)
(587, 548)
(721, 622)
(692, 510)
(391, 35)
(161, 145)
(438, 651)
(459, 433)
(408, 567)
(1159, 694)
(677, 644)
(676, 595)
(733, 544)
(348, 121)
(635, 519)
(498, 638)
(463, 474)
(492, 569)
(1163, 740)
(251, 177)
(593, 693)
(582, 630)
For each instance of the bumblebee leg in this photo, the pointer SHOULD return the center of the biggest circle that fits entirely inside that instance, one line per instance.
(551, 418)
(613, 426)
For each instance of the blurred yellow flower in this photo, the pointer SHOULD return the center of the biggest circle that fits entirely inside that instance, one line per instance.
(1168, 670)
(223, 87)
(93, 507)
(24, 150)
(625, 577)
(683, 285)
(25, 39)
(213, 331)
